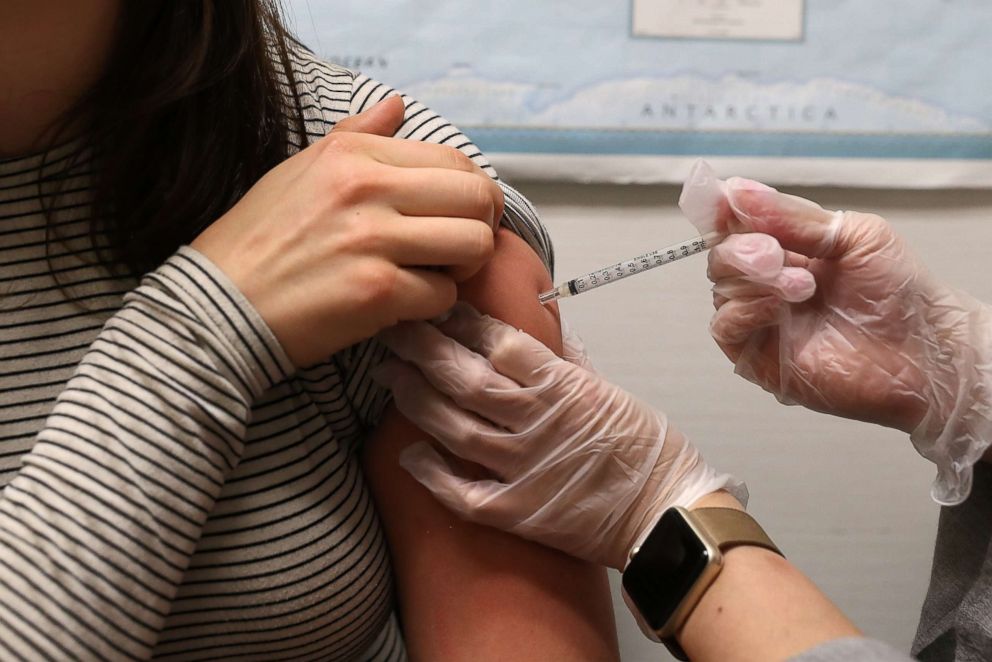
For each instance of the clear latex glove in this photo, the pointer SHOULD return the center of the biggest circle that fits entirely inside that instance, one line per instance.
(879, 341)
(573, 349)
(573, 461)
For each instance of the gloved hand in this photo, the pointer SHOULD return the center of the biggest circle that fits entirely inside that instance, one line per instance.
(880, 340)
(573, 461)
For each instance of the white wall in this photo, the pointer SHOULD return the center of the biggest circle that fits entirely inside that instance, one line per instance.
(847, 502)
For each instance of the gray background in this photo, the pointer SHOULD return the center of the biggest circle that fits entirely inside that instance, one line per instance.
(847, 502)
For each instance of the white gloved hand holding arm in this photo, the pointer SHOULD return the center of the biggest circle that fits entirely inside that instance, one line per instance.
(573, 461)
(879, 340)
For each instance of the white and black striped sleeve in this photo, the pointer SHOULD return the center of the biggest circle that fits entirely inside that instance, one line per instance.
(97, 528)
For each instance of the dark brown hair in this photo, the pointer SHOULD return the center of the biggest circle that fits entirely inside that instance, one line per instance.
(197, 102)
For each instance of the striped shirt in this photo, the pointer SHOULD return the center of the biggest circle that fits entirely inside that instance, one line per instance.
(172, 489)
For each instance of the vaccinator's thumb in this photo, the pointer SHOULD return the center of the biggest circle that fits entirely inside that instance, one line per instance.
(799, 225)
(382, 119)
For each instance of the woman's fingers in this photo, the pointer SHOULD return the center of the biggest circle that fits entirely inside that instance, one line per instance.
(436, 191)
(330, 246)
(382, 119)
(417, 179)
(396, 151)
(462, 245)
(415, 294)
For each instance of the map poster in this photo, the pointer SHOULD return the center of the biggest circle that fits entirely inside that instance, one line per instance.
(740, 19)
(814, 92)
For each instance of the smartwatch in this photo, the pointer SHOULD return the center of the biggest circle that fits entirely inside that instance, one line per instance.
(670, 571)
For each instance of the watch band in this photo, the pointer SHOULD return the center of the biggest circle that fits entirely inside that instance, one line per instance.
(729, 527)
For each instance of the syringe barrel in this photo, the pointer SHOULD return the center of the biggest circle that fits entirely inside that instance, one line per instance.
(642, 263)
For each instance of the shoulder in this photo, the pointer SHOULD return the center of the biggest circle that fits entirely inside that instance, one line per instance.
(328, 93)
(320, 90)
(507, 288)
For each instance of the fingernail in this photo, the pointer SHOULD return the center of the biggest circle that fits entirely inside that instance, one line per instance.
(387, 98)
(737, 187)
(799, 285)
(744, 201)
(757, 255)
(751, 243)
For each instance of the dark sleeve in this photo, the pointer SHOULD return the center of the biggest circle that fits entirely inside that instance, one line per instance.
(956, 623)
(854, 649)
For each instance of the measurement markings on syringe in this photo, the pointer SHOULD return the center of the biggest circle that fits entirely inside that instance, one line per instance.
(626, 268)
(635, 266)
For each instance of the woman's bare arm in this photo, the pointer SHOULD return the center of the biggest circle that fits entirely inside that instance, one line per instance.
(468, 592)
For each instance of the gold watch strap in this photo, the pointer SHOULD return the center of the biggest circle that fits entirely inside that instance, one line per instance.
(729, 527)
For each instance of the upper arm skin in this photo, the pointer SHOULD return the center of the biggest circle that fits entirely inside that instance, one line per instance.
(468, 592)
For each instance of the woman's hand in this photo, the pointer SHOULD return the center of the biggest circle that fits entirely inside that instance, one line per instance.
(572, 461)
(880, 340)
(342, 239)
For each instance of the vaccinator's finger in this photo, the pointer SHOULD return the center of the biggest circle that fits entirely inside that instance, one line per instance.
(737, 319)
(514, 353)
(798, 224)
(473, 500)
(459, 373)
(790, 284)
(751, 254)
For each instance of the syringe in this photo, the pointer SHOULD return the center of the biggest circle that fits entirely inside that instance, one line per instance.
(621, 270)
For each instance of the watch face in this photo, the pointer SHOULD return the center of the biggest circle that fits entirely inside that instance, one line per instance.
(665, 568)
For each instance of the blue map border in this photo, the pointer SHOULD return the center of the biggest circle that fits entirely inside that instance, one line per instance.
(729, 143)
